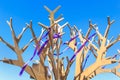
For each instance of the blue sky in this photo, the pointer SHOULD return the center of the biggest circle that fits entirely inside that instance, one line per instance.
(76, 12)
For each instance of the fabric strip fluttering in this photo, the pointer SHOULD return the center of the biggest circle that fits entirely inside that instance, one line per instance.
(81, 47)
(39, 50)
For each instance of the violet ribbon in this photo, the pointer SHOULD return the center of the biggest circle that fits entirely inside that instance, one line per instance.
(57, 35)
(81, 47)
(40, 50)
(66, 49)
(85, 61)
(42, 47)
(25, 65)
(63, 51)
(71, 39)
(115, 56)
(103, 67)
(45, 35)
(66, 43)
(23, 68)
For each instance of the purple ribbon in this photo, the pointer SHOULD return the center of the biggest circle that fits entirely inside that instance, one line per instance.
(81, 47)
(23, 68)
(54, 36)
(63, 51)
(71, 39)
(66, 43)
(57, 35)
(115, 56)
(45, 35)
(103, 67)
(85, 61)
(25, 65)
(39, 51)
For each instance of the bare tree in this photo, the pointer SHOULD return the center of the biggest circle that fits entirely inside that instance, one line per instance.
(98, 44)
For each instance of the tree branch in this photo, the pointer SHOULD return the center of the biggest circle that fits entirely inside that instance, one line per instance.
(13, 33)
(56, 9)
(9, 45)
(108, 27)
(47, 9)
(112, 43)
(44, 26)
(27, 45)
(89, 29)
(21, 34)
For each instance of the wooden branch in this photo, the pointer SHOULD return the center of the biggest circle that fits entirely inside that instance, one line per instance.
(62, 69)
(59, 17)
(57, 21)
(72, 45)
(111, 39)
(75, 27)
(71, 30)
(98, 71)
(114, 70)
(11, 28)
(93, 53)
(27, 45)
(56, 9)
(60, 29)
(10, 61)
(52, 61)
(97, 31)
(13, 33)
(17, 63)
(9, 45)
(89, 29)
(33, 34)
(21, 34)
(112, 43)
(40, 70)
(44, 26)
(95, 66)
(51, 16)
(44, 54)
(87, 48)
(80, 58)
(96, 49)
(100, 61)
(107, 61)
(108, 27)
(47, 9)
(42, 57)
(82, 54)
(41, 34)
(68, 67)
(58, 60)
